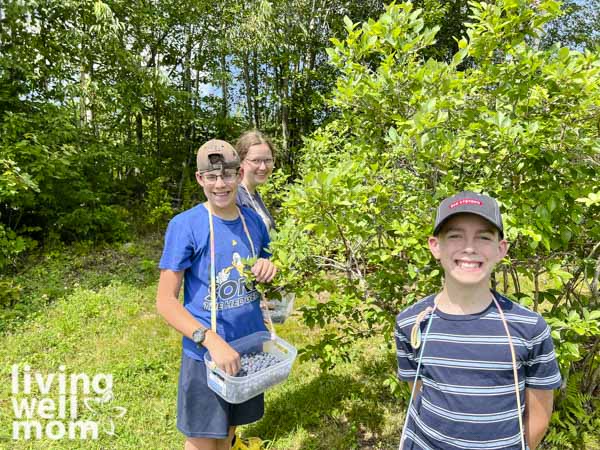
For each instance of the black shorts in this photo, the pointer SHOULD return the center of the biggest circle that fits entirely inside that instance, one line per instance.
(201, 412)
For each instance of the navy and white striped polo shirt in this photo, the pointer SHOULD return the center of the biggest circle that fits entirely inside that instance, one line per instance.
(468, 399)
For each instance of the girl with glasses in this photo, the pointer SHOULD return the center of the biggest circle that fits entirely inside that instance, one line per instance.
(257, 155)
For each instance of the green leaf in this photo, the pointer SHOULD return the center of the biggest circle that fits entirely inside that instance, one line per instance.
(564, 53)
(348, 23)
(565, 236)
(594, 315)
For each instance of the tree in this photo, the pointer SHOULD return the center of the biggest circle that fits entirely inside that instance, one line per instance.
(518, 123)
(93, 108)
(578, 27)
(279, 49)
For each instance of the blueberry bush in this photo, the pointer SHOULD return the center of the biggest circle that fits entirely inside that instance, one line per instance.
(502, 117)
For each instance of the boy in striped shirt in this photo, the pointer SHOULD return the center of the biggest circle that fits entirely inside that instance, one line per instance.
(482, 369)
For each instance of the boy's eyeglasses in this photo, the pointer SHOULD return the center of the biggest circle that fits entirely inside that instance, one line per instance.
(258, 162)
(227, 175)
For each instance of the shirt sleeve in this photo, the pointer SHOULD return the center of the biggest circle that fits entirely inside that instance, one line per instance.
(242, 198)
(407, 366)
(179, 249)
(541, 368)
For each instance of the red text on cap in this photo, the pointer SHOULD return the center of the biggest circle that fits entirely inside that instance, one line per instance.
(466, 201)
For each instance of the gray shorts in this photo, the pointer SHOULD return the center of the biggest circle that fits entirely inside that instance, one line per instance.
(201, 412)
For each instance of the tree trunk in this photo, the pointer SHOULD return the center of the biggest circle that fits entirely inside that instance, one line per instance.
(139, 132)
(82, 96)
(92, 102)
(249, 102)
(128, 138)
(284, 113)
(156, 107)
(255, 75)
(224, 86)
(158, 128)
(188, 127)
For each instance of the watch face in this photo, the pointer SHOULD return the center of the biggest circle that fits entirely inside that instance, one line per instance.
(198, 336)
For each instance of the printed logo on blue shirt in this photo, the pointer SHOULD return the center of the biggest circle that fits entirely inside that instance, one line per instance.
(232, 293)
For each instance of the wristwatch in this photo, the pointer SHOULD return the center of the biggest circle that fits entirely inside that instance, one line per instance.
(198, 336)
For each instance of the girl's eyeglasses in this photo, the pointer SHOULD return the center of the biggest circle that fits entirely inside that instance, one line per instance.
(257, 162)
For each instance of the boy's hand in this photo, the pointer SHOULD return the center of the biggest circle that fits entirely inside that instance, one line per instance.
(222, 354)
(264, 270)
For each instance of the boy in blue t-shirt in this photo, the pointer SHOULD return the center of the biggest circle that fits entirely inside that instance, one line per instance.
(203, 417)
(484, 367)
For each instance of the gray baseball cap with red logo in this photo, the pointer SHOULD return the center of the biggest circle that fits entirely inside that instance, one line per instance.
(471, 203)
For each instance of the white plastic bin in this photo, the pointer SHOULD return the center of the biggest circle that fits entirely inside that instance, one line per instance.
(280, 310)
(240, 389)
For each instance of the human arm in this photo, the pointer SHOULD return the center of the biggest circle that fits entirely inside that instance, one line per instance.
(538, 410)
(264, 270)
(169, 307)
(542, 377)
(419, 385)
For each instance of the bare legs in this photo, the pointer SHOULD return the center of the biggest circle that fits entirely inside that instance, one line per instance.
(210, 444)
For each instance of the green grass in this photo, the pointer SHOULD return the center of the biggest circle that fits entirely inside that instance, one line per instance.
(91, 309)
(101, 319)
(56, 273)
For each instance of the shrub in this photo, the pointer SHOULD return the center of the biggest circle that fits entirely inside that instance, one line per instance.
(103, 223)
(501, 117)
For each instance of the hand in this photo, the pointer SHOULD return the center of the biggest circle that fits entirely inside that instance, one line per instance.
(222, 354)
(264, 270)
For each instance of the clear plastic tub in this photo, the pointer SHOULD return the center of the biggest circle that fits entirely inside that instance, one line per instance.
(240, 389)
(281, 309)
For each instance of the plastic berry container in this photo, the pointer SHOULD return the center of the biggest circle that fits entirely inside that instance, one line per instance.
(280, 310)
(239, 389)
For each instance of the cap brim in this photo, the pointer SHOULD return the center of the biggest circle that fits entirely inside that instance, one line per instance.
(437, 229)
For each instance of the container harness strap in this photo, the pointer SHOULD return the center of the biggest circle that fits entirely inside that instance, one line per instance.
(415, 341)
(253, 443)
(266, 220)
(213, 275)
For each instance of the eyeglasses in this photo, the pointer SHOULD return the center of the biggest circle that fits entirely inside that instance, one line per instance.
(258, 162)
(227, 175)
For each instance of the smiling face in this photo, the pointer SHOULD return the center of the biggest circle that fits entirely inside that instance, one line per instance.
(220, 188)
(258, 165)
(468, 247)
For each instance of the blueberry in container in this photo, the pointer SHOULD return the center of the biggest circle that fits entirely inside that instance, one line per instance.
(271, 358)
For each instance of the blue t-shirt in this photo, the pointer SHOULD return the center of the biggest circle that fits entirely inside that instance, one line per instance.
(468, 400)
(187, 248)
